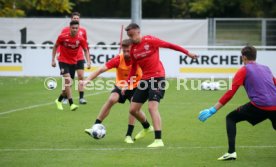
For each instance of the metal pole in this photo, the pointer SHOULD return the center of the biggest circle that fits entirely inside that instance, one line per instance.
(136, 11)
(264, 32)
(210, 31)
(214, 31)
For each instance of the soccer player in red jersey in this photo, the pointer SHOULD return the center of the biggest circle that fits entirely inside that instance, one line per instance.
(260, 86)
(69, 48)
(80, 59)
(145, 53)
(122, 71)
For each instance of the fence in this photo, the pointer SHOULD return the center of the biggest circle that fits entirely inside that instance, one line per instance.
(240, 31)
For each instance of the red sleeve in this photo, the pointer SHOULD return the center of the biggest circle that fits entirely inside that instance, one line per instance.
(83, 43)
(274, 79)
(113, 63)
(163, 44)
(65, 30)
(237, 82)
(59, 40)
(84, 35)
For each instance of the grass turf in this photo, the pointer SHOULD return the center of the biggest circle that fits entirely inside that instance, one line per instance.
(34, 133)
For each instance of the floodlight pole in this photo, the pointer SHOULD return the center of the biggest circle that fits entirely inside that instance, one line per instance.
(136, 11)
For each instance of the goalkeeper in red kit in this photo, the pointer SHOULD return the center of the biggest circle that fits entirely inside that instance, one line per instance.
(145, 53)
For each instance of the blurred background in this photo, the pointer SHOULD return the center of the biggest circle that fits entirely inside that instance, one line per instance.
(258, 30)
(181, 9)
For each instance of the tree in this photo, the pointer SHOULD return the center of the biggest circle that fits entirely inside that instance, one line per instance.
(151, 8)
(233, 8)
(259, 8)
(180, 8)
(18, 8)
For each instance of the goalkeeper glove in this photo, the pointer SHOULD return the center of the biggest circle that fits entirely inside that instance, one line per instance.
(205, 114)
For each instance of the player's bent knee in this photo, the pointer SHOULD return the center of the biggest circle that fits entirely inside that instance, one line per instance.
(153, 106)
(113, 100)
(132, 111)
(229, 117)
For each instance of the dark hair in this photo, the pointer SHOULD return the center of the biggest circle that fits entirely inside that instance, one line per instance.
(249, 52)
(126, 43)
(74, 22)
(75, 14)
(132, 26)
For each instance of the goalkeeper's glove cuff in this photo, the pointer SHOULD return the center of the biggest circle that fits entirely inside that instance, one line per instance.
(213, 110)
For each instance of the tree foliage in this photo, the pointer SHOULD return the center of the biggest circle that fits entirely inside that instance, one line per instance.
(150, 8)
(233, 8)
(18, 8)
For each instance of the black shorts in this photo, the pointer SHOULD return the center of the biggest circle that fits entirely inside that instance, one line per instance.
(122, 98)
(253, 114)
(152, 90)
(67, 68)
(80, 65)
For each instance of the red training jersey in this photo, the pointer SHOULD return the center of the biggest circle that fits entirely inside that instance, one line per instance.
(69, 47)
(81, 32)
(146, 55)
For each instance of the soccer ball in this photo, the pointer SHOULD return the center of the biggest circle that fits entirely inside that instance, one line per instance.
(205, 85)
(51, 84)
(98, 131)
(214, 85)
(210, 86)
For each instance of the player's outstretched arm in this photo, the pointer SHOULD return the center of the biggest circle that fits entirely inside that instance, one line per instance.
(165, 44)
(95, 74)
(87, 56)
(237, 82)
(54, 55)
(192, 55)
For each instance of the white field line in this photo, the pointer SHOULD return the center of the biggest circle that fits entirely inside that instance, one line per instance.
(40, 105)
(130, 148)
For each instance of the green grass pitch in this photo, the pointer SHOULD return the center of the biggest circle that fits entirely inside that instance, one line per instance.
(34, 133)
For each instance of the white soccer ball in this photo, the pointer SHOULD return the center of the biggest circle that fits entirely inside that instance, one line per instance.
(217, 85)
(214, 85)
(205, 86)
(98, 131)
(51, 84)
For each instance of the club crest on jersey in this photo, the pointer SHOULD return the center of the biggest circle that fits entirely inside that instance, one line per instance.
(146, 47)
(77, 43)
